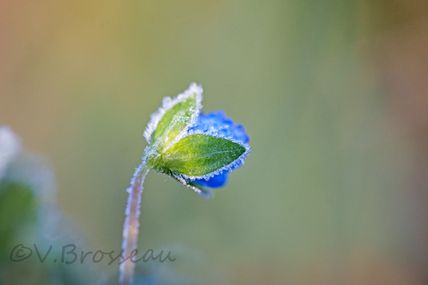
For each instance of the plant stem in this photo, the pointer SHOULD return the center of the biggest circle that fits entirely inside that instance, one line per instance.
(131, 225)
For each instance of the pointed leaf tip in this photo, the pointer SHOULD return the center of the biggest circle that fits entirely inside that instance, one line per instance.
(174, 117)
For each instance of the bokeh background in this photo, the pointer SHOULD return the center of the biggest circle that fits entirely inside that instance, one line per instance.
(333, 94)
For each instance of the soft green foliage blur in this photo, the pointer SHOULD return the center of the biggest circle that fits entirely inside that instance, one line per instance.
(320, 194)
(17, 211)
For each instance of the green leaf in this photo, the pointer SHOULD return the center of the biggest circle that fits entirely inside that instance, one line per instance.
(174, 121)
(199, 155)
(174, 117)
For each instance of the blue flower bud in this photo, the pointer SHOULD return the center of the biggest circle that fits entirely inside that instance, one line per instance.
(216, 123)
(197, 149)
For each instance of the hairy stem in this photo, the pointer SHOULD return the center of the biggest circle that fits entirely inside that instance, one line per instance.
(131, 225)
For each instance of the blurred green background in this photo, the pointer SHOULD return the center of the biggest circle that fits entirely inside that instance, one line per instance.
(333, 95)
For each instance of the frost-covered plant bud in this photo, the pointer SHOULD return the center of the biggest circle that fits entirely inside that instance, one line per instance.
(196, 149)
(199, 150)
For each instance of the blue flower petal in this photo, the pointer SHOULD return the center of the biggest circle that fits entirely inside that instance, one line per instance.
(214, 182)
(217, 123)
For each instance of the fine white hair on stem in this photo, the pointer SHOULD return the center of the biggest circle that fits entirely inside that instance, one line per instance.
(168, 103)
(131, 225)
